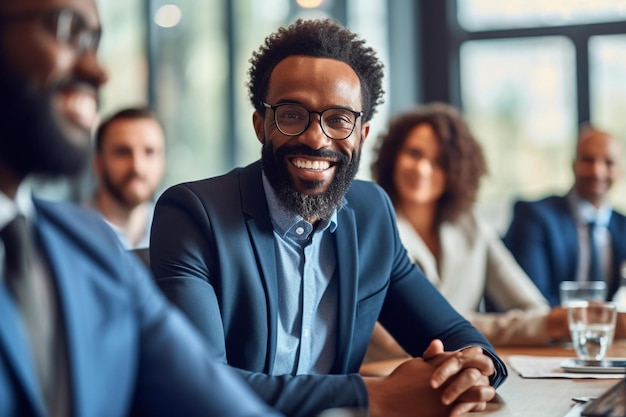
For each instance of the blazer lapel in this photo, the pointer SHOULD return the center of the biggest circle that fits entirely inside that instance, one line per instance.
(13, 342)
(62, 268)
(262, 235)
(347, 255)
(569, 232)
(616, 227)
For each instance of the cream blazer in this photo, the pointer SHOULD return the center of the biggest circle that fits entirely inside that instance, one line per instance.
(474, 262)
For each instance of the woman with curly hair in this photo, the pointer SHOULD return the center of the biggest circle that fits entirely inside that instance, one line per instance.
(430, 165)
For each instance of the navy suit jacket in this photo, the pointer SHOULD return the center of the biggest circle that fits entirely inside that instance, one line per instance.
(543, 238)
(128, 348)
(212, 252)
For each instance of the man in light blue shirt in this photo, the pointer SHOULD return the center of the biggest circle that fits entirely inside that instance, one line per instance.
(129, 162)
(286, 264)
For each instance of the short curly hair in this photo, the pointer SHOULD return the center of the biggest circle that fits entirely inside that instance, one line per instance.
(462, 157)
(323, 38)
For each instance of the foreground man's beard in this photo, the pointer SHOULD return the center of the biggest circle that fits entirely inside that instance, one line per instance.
(31, 140)
(319, 206)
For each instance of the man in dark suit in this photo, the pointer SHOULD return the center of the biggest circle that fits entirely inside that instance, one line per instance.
(83, 329)
(551, 239)
(285, 265)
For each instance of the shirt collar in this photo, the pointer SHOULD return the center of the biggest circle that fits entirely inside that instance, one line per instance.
(586, 212)
(22, 204)
(286, 221)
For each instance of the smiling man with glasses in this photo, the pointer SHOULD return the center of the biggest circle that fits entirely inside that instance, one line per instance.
(83, 330)
(286, 264)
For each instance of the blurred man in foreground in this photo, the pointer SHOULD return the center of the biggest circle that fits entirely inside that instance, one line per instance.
(83, 331)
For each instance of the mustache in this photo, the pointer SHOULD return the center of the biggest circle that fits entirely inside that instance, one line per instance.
(306, 151)
(77, 83)
(133, 176)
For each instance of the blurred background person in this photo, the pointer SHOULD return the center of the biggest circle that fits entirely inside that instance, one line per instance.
(129, 162)
(430, 165)
(577, 236)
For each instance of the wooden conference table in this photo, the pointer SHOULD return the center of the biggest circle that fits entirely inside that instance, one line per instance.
(526, 397)
(550, 397)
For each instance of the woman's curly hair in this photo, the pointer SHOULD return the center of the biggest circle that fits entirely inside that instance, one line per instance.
(462, 157)
(323, 38)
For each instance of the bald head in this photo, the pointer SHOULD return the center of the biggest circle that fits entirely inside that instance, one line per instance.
(597, 164)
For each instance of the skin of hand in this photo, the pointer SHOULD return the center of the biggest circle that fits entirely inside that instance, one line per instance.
(463, 375)
(620, 326)
(439, 384)
(558, 327)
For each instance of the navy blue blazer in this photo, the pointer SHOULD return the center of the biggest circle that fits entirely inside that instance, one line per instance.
(212, 252)
(543, 238)
(128, 347)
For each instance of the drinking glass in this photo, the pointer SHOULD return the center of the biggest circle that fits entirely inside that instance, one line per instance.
(582, 291)
(592, 326)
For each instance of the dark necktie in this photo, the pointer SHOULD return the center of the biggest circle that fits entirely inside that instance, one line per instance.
(22, 283)
(595, 269)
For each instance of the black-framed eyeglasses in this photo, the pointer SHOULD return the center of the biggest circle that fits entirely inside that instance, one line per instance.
(67, 25)
(293, 119)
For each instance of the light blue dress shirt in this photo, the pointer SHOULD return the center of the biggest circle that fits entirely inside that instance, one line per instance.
(307, 291)
(144, 240)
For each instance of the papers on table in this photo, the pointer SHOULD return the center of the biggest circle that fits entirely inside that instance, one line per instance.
(548, 367)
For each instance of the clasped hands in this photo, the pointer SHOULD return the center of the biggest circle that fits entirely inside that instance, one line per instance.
(438, 384)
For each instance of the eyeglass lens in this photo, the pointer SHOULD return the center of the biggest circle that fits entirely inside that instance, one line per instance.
(71, 28)
(65, 24)
(293, 119)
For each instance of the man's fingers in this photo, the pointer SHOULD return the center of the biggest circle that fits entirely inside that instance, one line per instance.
(467, 387)
(480, 390)
(451, 366)
(464, 408)
(434, 348)
(458, 361)
(474, 399)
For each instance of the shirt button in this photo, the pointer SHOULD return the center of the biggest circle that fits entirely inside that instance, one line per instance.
(300, 230)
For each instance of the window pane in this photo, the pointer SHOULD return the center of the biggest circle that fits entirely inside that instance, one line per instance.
(369, 21)
(479, 15)
(191, 73)
(519, 99)
(254, 20)
(123, 55)
(607, 75)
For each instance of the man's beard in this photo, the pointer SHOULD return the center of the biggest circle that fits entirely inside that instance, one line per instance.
(116, 190)
(31, 140)
(318, 206)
